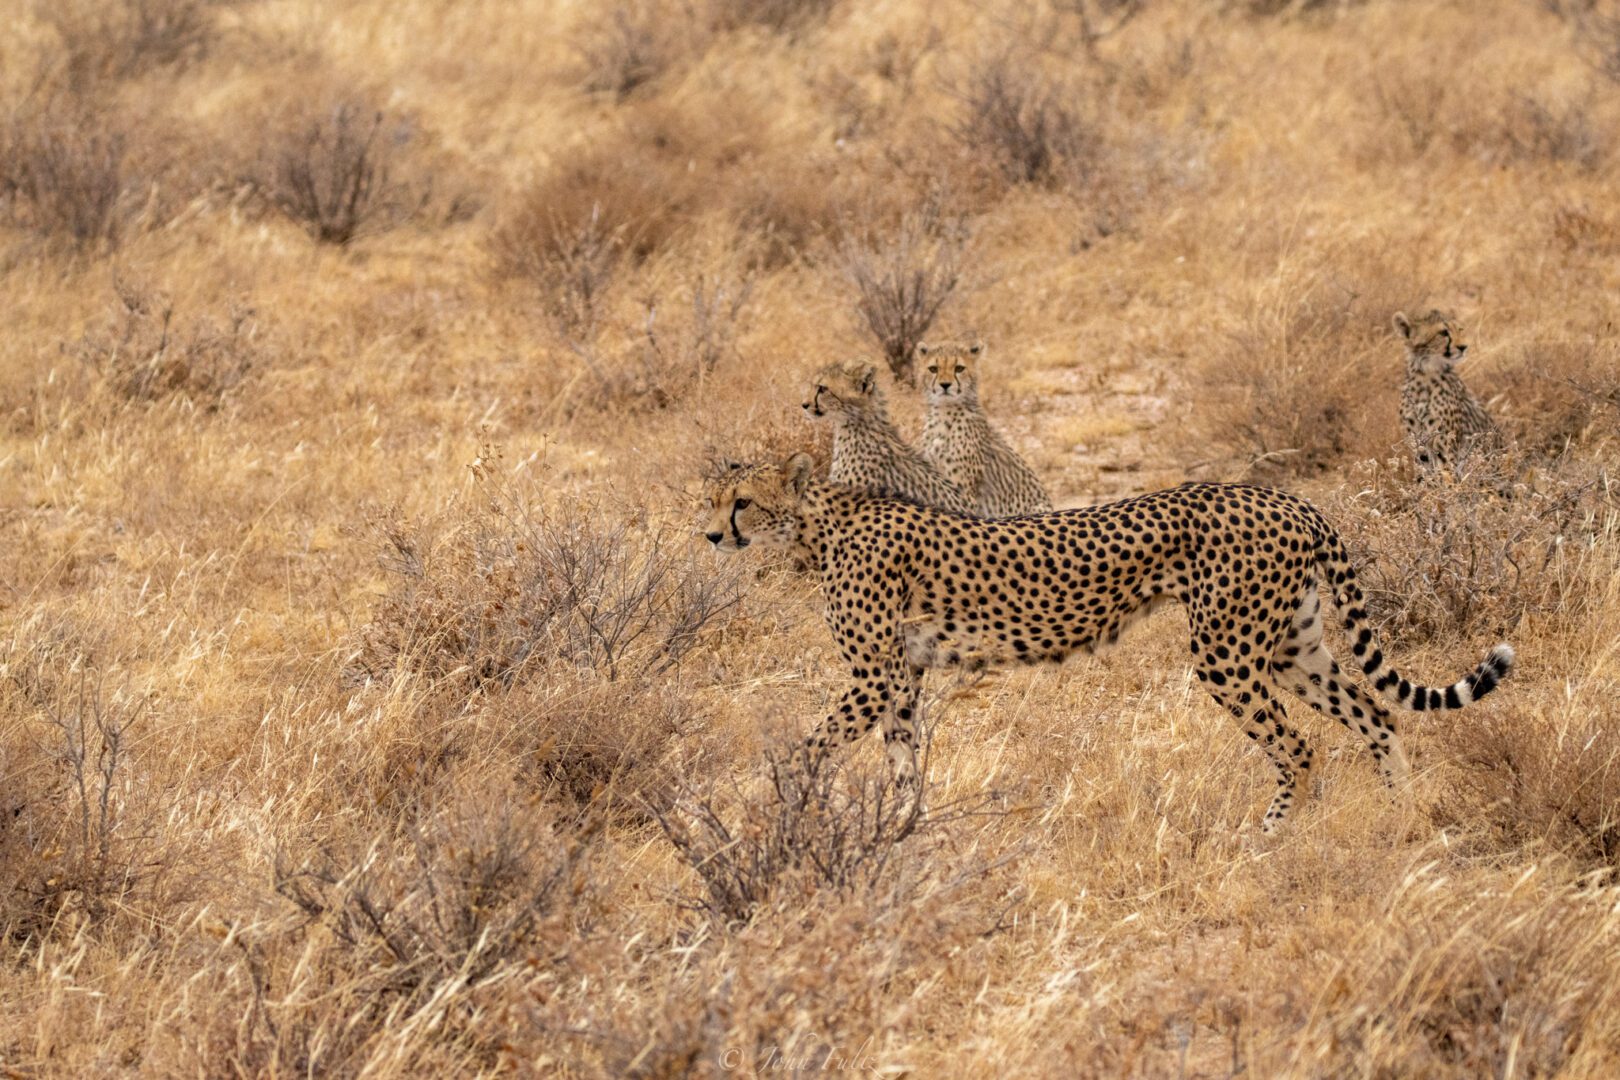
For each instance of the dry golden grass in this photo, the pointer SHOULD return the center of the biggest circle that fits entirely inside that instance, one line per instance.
(367, 706)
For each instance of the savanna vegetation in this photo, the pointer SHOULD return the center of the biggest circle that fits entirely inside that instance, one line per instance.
(370, 707)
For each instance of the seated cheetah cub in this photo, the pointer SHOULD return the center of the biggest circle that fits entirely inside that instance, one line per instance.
(963, 446)
(1444, 424)
(868, 453)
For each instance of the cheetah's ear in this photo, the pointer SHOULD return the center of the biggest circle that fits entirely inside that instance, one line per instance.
(867, 379)
(1402, 324)
(923, 348)
(977, 348)
(798, 470)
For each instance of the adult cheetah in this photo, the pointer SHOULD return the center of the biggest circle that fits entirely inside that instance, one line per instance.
(961, 444)
(910, 587)
(1443, 422)
(867, 451)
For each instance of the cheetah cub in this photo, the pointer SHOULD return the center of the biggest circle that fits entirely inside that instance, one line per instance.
(1443, 422)
(868, 452)
(962, 445)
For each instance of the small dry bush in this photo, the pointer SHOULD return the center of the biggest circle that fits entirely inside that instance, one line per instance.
(1287, 390)
(143, 354)
(1596, 28)
(1507, 982)
(1471, 556)
(506, 583)
(1557, 397)
(72, 842)
(816, 827)
(625, 46)
(778, 16)
(1525, 780)
(73, 172)
(902, 280)
(573, 619)
(384, 952)
(120, 39)
(570, 234)
(341, 167)
(1538, 129)
(1029, 128)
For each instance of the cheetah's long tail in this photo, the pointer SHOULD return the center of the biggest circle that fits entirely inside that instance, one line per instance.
(1351, 602)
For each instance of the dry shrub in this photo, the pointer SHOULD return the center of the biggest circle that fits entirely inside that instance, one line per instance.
(1471, 556)
(340, 166)
(1522, 781)
(778, 16)
(1507, 982)
(384, 952)
(1536, 130)
(572, 622)
(507, 584)
(1416, 100)
(814, 828)
(1558, 397)
(143, 354)
(120, 39)
(73, 172)
(1027, 126)
(1287, 391)
(1596, 28)
(569, 233)
(71, 841)
(902, 280)
(625, 46)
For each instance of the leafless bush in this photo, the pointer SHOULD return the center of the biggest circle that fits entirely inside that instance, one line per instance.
(73, 848)
(67, 172)
(779, 16)
(1596, 29)
(1416, 101)
(1470, 557)
(1029, 126)
(339, 170)
(1286, 391)
(406, 934)
(816, 827)
(509, 583)
(1559, 397)
(119, 39)
(902, 281)
(1524, 782)
(683, 350)
(145, 355)
(627, 45)
(1533, 129)
(1504, 983)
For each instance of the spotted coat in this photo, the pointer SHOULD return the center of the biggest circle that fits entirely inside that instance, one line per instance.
(909, 588)
(867, 451)
(1444, 424)
(958, 439)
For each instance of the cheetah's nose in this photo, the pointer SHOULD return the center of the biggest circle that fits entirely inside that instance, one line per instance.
(714, 537)
(944, 386)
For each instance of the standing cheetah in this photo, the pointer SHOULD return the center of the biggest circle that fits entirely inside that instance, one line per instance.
(867, 451)
(910, 587)
(963, 446)
(1443, 422)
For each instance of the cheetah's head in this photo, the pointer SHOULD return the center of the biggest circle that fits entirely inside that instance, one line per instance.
(841, 389)
(756, 503)
(951, 371)
(1431, 341)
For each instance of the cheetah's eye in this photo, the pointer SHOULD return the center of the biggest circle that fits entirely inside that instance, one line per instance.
(742, 504)
(934, 368)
